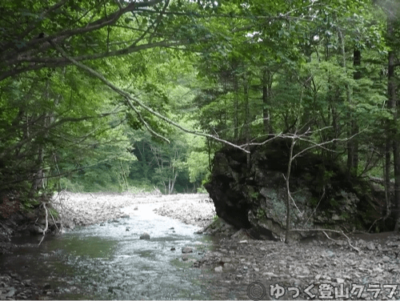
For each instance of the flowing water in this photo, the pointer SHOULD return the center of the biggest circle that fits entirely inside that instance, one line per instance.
(109, 262)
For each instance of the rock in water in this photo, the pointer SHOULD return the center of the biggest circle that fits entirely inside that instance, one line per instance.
(187, 250)
(145, 236)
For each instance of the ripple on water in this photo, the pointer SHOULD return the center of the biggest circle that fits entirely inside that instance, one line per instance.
(107, 262)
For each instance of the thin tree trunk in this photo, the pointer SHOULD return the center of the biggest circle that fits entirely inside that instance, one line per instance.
(392, 141)
(38, 177)
(354, 124)
(266, 97)
(247, 117)
(288, 198)
(236, 109)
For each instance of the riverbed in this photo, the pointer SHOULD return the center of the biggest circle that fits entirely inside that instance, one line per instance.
(108, 260)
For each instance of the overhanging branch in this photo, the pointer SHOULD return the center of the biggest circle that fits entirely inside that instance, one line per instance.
(129, 98)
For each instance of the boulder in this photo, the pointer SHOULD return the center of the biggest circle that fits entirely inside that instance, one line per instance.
(145, 236)
(252, 195)
(187, 250)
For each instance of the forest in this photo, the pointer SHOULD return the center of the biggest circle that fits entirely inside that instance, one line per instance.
(120, 95)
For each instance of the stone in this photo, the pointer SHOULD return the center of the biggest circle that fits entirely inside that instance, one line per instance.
(173, 249)
(127, 228)
(185, 257)
(102, 224)
(270, 274)
(125, 216)
(10, 293)
(187, 250)
(36, 230)
(252, 204)
(229, 267)
(218, 269)
(386, 259)
(27, 282)
(145, 236)
(47, 286)
(136, 208)
(370, 246)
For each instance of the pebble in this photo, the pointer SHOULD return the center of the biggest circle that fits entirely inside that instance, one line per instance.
(218, 269)
(385, 259)
(371, 246)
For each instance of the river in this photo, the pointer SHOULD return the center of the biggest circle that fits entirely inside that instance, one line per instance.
(110, 261)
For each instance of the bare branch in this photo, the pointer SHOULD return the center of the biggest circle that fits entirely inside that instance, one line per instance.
(47, 223)
(145, 123)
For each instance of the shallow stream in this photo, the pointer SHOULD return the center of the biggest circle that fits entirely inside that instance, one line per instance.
(111, 262)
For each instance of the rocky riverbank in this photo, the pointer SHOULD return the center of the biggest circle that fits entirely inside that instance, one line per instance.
(240, 266)
(81, 209)
(248, 267)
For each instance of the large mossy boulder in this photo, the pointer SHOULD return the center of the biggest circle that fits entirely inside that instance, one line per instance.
(252, 194)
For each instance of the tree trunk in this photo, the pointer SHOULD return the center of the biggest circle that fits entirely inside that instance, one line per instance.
(393, 132)
(266, 97)
(354, 124)
(352, 145)
(38, 177)
(236, 109)
(247, 116)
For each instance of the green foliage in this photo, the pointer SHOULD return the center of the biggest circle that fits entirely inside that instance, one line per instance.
(334, 203)
(240, 72)
(254, 195)
(53, 213)
(28, 204)
(260, 213)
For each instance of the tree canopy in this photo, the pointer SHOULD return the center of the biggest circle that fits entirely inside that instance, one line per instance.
(97, 95)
